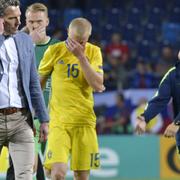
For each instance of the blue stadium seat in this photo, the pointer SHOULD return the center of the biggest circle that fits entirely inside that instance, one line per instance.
(175, 15)
(135, 17)
(112, 16)
(106, 32)
(118, 4)
(149, 33)
(129, 33)
(171, 32)
(177, 3)
(56, 18)
(161, 4)
(155, 16)
(91, 4)
(70, 14)
(94, 16)
(144, 49)
(140, 4)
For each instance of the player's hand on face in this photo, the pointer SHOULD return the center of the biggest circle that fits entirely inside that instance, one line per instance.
(140, 125)
(171, 130)
(44, 127)
(37, 34)
(1, 25)
(75, 47)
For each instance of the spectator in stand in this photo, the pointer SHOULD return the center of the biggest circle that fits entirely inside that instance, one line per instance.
(166, 61)
(114, 74)
(118, 49)
(116, 118)
(58, 33)
(142, 77)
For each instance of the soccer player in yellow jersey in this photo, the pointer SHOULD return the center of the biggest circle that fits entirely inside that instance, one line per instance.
(76, 71)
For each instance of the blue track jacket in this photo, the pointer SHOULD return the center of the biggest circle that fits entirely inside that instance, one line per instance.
(169, 88)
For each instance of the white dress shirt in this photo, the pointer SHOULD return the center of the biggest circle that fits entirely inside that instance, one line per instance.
(10, 85)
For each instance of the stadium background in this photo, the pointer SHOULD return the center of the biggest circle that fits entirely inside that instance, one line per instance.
(146, 43)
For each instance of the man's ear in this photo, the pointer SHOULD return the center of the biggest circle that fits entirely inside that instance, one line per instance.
(179, 55)
(47, 23)
(68, 31)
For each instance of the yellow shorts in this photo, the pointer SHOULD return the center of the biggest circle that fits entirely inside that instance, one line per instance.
(80, 144)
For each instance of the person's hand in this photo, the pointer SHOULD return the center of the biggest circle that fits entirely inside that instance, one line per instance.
(171, 130)
(140, 125)
(37, 34)
(1, 25)
(43, 132)
(75, 47)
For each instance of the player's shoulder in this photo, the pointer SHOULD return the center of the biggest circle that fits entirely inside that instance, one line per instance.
(23, 35)
(57, 46)
(24, 40)
(92, 46)
(172, 70)
(171, 73)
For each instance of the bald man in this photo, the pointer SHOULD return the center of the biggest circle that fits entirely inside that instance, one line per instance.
(76, 71)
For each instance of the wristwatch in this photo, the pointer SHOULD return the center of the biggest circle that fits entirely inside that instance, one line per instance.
(177, 123)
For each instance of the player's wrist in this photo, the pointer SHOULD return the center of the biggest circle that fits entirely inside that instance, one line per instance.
(81, 57)
(177, 123)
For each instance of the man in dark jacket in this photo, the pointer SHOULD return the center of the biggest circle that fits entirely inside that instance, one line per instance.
(169, 88)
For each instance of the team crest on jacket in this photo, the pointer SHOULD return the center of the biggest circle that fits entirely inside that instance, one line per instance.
(60, 61)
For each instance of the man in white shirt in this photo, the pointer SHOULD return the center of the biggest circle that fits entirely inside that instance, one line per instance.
(20, 92)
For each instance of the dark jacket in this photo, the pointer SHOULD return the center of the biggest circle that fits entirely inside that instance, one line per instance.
(169, 88)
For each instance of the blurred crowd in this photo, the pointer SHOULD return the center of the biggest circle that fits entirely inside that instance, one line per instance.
(139, 41)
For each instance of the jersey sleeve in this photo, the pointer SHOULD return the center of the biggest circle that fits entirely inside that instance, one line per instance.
(46, 64)
(97, 62)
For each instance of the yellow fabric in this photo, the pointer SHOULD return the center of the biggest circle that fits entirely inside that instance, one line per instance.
(80, 142)
(71, 101)
(178, 152)
(4, 163)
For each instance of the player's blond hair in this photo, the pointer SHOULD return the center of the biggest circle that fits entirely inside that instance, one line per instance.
(36, 7)
(81, 26)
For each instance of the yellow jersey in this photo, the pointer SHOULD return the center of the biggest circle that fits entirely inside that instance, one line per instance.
(71, 101)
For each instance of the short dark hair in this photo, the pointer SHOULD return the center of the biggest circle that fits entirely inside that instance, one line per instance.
(6, 3)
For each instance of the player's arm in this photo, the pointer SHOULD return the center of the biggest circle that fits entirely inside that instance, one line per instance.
(156, 104)
(45, 67)
(94, 79)
(161, 98)
(43, 80)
